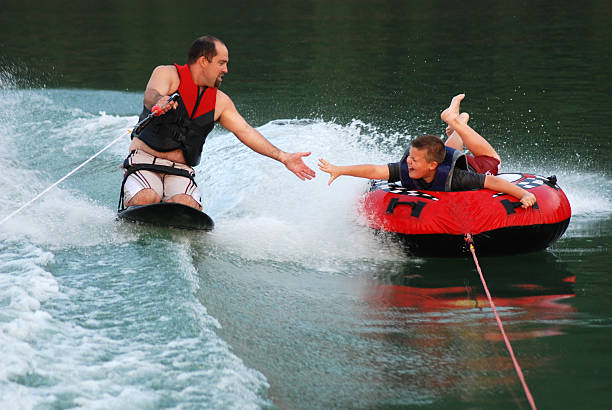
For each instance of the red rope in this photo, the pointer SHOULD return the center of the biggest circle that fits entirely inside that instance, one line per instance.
(519, 372)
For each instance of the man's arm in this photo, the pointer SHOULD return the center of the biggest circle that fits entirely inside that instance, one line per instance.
(163, 82)
(231, 120)
(501, 185)
(361, 171)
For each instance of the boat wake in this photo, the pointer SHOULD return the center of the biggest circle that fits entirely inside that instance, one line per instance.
(122, 305)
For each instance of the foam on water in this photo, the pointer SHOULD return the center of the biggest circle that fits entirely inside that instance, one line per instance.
(62, 217)
(263, 211)
(589, 193)
(24, 285)
(101, 297)
(85, 341)
(72, 331)
(587, 187)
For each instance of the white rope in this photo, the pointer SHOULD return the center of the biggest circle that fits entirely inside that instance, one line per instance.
(9, 216)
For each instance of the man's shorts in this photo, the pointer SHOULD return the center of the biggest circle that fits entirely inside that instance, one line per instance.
(165, 185)
(483, 164)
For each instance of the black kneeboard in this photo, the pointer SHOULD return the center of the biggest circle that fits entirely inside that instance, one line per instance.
(168, 214)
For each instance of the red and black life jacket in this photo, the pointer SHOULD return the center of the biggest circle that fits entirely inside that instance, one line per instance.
(186, 127)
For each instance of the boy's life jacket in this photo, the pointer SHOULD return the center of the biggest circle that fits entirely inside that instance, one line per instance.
(444, 173)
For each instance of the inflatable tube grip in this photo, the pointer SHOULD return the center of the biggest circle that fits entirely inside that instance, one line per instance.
(511, 206)
(417, 207)
(551, 181)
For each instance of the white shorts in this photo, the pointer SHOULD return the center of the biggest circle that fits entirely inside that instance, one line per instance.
(165, 185)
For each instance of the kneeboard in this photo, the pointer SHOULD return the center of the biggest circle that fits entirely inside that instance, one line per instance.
(168, 214)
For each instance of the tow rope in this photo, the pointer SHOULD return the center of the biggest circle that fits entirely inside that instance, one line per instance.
(517, 367)
(155, 112)
(9, 216)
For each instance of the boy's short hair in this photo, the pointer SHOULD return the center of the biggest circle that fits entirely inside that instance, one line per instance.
(433, 145)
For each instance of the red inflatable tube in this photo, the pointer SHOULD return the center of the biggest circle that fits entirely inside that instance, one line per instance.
(432, 223)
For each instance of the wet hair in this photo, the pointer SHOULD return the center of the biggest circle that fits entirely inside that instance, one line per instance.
(204, 46)
(433, 145)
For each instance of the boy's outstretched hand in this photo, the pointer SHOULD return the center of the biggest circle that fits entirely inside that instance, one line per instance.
(331, 169)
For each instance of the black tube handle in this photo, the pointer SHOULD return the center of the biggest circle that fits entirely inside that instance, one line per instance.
(417, 207)
(512, 205)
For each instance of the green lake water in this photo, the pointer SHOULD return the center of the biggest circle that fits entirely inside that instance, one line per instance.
(291, 302)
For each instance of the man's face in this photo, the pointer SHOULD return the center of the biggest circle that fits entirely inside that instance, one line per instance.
(418, 166)
(215, 70)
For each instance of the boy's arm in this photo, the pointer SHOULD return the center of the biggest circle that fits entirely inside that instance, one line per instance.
(369, 171)
(501, 185)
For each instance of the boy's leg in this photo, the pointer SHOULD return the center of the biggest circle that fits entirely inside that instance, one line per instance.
(454, 139)
(473, 141)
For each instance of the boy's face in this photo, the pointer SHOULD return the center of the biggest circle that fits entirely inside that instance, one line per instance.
(419, 167)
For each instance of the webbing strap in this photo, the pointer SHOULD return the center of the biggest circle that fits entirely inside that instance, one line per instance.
(131, 168)
(158, 168)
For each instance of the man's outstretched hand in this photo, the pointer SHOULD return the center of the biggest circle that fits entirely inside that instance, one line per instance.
(295, 164)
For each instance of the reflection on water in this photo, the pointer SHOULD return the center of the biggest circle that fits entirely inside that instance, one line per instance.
(436, 285)
(438, 308)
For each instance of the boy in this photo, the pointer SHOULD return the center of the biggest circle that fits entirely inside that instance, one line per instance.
(431, 165)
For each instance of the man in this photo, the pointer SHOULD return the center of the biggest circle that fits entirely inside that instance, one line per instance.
(159, 167)
(430, 165)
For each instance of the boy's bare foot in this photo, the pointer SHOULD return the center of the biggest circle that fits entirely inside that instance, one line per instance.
(452, 111)
(464, 117)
